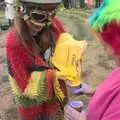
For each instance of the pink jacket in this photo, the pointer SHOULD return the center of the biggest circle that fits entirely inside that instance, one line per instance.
(105, 104)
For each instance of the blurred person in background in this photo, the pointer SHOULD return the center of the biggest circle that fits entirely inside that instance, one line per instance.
(73, 3)
(66, 4)
(9, 11)
(82, 3)
(89, 3)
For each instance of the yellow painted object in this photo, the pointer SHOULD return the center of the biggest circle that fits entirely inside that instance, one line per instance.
(67, 58)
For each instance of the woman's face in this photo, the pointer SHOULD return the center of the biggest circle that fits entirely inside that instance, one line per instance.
(40, 17)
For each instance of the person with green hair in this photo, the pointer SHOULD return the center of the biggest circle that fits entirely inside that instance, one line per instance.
(104, 105)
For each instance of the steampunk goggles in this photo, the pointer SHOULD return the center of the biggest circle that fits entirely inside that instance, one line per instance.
(40, 15)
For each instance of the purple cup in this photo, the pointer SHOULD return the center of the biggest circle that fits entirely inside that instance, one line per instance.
(77, 105)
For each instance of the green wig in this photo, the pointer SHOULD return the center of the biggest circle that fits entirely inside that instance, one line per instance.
(108, 11)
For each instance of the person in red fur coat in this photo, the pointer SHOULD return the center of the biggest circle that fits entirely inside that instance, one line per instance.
(29, 47)
(39, 94)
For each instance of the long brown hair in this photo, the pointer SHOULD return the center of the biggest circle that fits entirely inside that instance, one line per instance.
(27, 39)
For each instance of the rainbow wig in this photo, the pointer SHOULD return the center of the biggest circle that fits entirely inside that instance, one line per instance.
(106, 21)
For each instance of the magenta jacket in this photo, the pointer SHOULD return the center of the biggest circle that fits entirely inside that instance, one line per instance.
(105, 104)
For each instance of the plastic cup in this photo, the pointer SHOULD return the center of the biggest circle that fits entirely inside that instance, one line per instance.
(77, 105)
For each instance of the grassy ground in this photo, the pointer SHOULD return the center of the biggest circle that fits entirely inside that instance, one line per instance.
(96, 64)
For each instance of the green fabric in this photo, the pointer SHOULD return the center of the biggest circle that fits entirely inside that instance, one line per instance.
(24, 101)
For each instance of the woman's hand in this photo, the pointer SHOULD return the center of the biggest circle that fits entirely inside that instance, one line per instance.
(85, 89)
(72, 114)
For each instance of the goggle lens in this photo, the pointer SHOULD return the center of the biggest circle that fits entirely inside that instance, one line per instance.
(40, 17)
